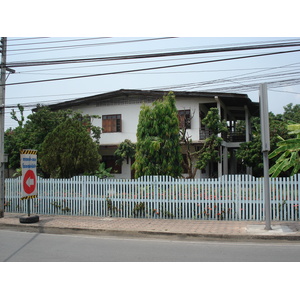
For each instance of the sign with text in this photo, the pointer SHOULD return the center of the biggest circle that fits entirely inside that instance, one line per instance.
(29, 178)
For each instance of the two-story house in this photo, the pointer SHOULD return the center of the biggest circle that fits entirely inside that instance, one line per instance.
(119, 111)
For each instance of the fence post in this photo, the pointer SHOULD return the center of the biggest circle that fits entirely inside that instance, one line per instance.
(83, 195)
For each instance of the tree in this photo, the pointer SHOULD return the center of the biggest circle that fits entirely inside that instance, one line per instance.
(69, 150)
(291, 113)
(30, 135)
(289, 153)
(126, 150)
(158, 147)
(250, 153)
(210, 150)
(190, 153)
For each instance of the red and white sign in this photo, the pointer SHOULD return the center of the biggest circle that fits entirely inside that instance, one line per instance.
(29, 182)
(29, 179)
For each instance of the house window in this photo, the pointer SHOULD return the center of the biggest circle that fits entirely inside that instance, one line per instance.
(111, 123)
(110, 162)
(184, 117)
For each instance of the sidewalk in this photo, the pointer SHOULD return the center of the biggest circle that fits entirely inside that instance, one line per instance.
(155, 228)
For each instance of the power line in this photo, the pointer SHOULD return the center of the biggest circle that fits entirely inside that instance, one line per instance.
(168, 72)
(254, 86)
(152, 55)
(23, 39)
(289, 92)
(67, 47)
(153, 68)
(115, 64)
(39, 72)
(51, 42)
(182, 49)
(242, 77)
(191, 86)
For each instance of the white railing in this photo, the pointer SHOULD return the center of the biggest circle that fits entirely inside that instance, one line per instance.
(232, 197)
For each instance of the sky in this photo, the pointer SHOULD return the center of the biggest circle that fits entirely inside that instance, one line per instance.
(133, 35)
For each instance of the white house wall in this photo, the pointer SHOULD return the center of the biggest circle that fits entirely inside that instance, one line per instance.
(130, 115)
(193, 105)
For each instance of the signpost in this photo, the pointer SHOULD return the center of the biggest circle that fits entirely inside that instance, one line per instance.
(29, 182)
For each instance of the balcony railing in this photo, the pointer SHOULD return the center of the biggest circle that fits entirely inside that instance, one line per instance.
(227, 137)
(204, 134)
(236, 137)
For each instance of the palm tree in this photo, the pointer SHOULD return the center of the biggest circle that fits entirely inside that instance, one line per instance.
(289, 150)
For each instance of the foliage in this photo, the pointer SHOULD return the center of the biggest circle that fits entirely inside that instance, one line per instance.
(61, 205)
(30, 135)
(289, 153)
(14, 115)
(102, 172)
(158, 147)
(69, 150)
(250, 153)
(291, 113)
(210, 150)
(125, 150)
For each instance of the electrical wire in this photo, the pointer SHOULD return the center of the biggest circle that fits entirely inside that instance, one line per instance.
(51, 42)
(185, 48)
(151, 55)
(257, 70)
(23, 39)
(242, 77)
(153, 68)
(249, 86)
(68, 47)
(240, 88)
(115, 64)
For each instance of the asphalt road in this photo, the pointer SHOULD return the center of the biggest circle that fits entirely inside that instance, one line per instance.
(38, 247)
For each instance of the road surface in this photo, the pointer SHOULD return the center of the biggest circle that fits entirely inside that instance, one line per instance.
(38, 247)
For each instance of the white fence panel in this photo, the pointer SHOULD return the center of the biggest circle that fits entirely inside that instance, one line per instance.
(232, 197)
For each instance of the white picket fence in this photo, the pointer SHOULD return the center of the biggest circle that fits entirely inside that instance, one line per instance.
(232, 197)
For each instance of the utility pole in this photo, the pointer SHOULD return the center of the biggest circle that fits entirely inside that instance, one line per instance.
(265, 141)
(2, 117)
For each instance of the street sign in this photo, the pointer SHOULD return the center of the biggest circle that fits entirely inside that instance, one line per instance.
(29, 182)
(29, 179)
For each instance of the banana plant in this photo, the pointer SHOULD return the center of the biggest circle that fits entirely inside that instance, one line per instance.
(289, 153)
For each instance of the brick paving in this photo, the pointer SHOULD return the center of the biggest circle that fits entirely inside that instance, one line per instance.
(152, 227)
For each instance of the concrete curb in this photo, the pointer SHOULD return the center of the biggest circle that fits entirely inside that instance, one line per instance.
(148, 234)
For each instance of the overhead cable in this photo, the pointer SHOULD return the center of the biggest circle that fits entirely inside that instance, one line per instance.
(155, 68)
(151, 55)
(67, 47)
